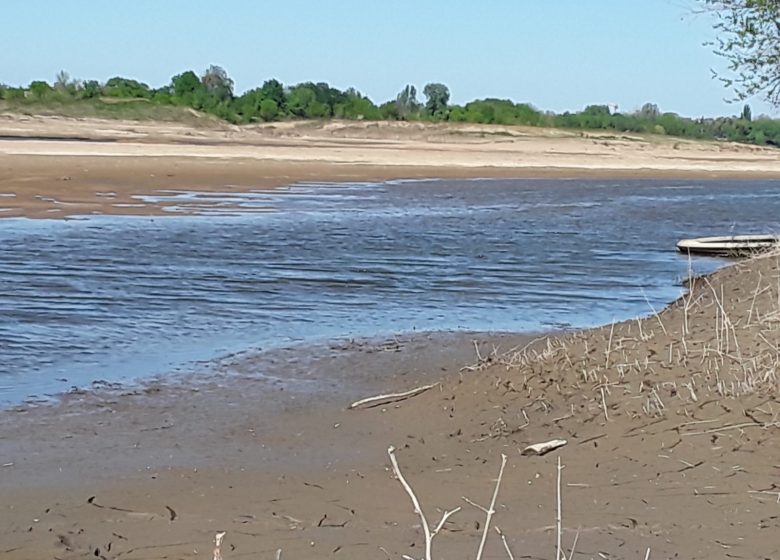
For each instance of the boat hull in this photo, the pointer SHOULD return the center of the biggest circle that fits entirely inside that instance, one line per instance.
(729, 246)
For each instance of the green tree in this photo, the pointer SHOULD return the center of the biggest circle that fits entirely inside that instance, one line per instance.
(317, 110)
(299, 98)
(747, 113)
(355, 105)
(125, 87)
(90, 89)
(389, 111)
(263, 102)
(482, 111)
(438, 96)
(527, 114)
(595, 116)
(314, 101)
(185, 85)
(458, 114)
(274, 90)
(39, 89)
(749, 39)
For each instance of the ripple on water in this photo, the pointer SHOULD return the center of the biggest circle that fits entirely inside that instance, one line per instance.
(122, 297)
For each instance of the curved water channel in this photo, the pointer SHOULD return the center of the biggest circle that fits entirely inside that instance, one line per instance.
(119, 298)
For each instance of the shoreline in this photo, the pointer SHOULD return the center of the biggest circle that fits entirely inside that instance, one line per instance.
(55, 187)
(114, 162)
(274, 360)
(654, 427)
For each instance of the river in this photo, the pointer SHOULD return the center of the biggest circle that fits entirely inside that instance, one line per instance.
(124, 298)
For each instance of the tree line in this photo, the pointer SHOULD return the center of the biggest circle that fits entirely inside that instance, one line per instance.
(213, 92)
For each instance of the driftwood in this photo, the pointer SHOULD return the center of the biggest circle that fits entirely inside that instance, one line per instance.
(379, 400)
(544, 447)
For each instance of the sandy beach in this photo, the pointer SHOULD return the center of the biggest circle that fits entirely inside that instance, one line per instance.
(671, 422)
(56, 167)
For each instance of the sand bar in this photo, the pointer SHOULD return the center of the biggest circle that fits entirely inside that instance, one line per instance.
(55, 167)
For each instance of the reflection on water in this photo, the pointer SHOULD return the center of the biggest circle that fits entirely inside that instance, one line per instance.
(121, 297)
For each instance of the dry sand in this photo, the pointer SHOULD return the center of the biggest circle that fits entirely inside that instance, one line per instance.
(672, 425)
(56, 167)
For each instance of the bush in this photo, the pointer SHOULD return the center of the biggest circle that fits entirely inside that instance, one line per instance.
(40, 89)
(269, 110)
(125, 87)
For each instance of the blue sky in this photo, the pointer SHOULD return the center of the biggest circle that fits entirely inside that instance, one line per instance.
(557, 54)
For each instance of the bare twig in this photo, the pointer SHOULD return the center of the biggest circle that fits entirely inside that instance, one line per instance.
(559, 517)
(378, 400)
(766, 492)
(489, 511)
(733, 427)
(655, 313)
(506, 544)
(429, 535)
(574, 545)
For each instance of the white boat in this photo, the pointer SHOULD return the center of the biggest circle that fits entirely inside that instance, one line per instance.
(729, 246)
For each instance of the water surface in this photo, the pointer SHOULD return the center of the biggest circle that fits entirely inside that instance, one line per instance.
(118, 298)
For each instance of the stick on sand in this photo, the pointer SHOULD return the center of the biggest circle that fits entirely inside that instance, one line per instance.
(390, 397)
(429, 534)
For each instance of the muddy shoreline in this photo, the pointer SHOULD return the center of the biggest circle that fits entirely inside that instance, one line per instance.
(672, 424)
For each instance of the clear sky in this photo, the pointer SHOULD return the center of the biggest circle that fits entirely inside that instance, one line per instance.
(557, 54)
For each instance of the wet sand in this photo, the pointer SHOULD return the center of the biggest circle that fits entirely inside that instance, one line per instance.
(672, 425)
(55, 167)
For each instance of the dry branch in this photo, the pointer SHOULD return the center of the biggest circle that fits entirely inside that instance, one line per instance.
(506, 544)
(429, 534)
(559, 517)
(489, 512)
(379, 400)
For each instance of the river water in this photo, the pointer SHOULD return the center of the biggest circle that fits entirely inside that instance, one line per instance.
(121, 298)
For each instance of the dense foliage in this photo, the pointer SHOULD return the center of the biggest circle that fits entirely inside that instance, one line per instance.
(212, 92)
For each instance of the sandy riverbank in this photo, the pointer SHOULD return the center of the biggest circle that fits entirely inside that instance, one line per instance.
(55, 167)
(671, 421)
(672, 425)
